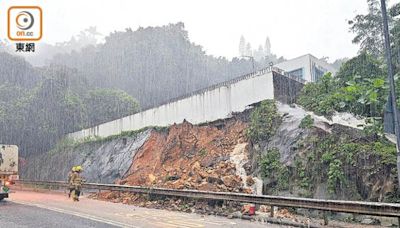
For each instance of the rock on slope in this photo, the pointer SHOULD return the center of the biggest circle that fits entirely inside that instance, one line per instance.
(331, 158)
(218, 157)
(103, 161)
(196, 157)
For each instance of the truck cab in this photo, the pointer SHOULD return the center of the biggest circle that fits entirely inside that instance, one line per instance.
(8, 168)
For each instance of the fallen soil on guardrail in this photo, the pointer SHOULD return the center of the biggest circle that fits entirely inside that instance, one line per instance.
(206, 207)
(284, 216)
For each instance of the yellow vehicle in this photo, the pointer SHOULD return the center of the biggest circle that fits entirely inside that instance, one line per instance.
(8, 168)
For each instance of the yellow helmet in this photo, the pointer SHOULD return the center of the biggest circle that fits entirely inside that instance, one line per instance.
(73, 168)
(78, 168)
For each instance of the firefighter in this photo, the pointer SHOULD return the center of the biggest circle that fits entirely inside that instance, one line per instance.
(70, 186)
(76, 181)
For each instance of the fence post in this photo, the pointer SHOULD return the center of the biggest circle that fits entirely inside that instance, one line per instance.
(272, 211)
(325, 214)
(355, 216)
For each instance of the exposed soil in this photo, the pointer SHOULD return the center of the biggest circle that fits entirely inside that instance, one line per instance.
(191, 157)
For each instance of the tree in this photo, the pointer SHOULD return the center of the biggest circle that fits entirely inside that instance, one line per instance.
(267, 47)
(87, 37)
(16, 71)
(154, 64)
(109, 104)
(242, 46)
(249, 51)
(359, 87)
(368, 29)
(35, 116)
(360, 67)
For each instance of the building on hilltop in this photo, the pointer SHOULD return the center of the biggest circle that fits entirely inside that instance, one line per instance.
(307, 67)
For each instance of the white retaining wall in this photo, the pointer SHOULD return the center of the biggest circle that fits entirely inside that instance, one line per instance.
(217, 102)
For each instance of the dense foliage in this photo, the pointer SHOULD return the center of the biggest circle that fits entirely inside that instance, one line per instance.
(271, 168)
(89, 83)
(109, 103)
(341, 159)
(368, 30)
(16, 71)
(307, 122)
(348, 162)
(358, 88)
(36, 112)
(264, 121)
(153, 64)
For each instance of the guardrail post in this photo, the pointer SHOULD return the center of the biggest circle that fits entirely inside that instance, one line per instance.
(272, 211)
(326, 221)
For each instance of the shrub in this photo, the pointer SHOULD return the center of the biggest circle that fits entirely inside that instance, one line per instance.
(307, 122)
(336, 176)
(353, 90)
(271, 167)
(264, 120)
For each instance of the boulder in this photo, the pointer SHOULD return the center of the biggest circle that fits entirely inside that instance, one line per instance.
(231, 181)
(196, 166)
(152, 178)
(236, 214)
(370, 221)
(173, 178)
(214, 180)
(250, 181)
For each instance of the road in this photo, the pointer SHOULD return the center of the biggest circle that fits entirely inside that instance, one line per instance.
(19, 215)
(34, 209)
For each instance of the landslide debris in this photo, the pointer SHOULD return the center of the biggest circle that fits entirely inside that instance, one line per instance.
(186, 156)
(227, 209)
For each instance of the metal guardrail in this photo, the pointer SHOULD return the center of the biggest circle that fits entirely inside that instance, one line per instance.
(358, 207)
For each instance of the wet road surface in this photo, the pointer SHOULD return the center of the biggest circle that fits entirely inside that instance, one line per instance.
(21, 216)
(52, 209)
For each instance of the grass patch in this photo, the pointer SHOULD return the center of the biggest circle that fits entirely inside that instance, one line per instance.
(70, 144)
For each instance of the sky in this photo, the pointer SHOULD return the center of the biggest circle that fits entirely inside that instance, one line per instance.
(295, 27)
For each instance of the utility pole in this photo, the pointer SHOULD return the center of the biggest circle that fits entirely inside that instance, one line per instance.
(392, 86)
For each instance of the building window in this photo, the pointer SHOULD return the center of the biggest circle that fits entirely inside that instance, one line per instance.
(297, 73)
(318, 73)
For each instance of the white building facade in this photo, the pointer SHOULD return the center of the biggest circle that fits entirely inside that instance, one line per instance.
(306, 67)
(216, 102)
